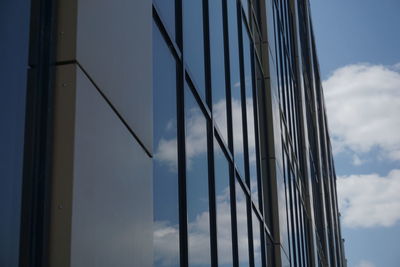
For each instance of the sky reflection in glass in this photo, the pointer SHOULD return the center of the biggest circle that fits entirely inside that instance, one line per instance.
(193, 41)
(218, 67)
(241, 213)
(251, 134)
(237, 126)
(165, 183)
(224, 229)
(197, 183)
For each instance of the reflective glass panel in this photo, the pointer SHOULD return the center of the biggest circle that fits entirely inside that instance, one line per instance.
(166, 9)
(243, 238)
(197, 183)
(14, 47)
(256, 241)
(218, 66)
(237, 126)
(165, 183)
(250, 107)
(224, 229)
(193, 41)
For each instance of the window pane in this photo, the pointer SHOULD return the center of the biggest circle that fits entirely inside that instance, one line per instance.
(237, 126)
(197, 183)
(166, 9)
(224, 230)
(14, 44)
(251, 134)
(256, 241)
(193, 41)
(165, 184)
(218, 66)
(243, 241)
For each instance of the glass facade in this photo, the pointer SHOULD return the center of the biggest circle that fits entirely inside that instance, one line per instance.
(227, 115)
(230, 61)
(218, 110)
(14, 30)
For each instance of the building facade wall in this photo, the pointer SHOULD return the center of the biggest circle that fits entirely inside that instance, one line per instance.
(267, 48)
(101, 196)
(182, 133)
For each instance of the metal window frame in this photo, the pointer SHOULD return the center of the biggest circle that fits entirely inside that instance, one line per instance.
(36, 185)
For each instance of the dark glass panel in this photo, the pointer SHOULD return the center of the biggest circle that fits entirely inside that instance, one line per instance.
(218, 66)
(197, 183)
(224, 229)
(193, 41)
(14, 47)
(166, 9)
(250, 109)
(165, 183)
(256, 240)
(243, 238)
(237, 126)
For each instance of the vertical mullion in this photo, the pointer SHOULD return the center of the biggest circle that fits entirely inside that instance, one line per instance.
(243, 94)
(256, 128)
(244, 125)
(212, 194)
(178, 23)
(37, 151)
(183, 230)
(230, 133)
(210, 138)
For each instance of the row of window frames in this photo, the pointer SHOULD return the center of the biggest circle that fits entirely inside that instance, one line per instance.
(167, 10)
(288, 101)
(244, 178)
(253, 27)
(296, 220)
(243, 105)
(206, 111)
(253, 52)
(253, 219)
(283, 26)
(284, 72)
(199, 103)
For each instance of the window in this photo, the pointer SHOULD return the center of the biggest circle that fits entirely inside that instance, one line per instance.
(250, 113)
(237, 121)
(218, 67)
(197, 183)
(166, 8)
(165, 166)
(242, 227)
(223, 204)
(193, 42)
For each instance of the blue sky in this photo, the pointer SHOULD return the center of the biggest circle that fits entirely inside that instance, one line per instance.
(358, 44)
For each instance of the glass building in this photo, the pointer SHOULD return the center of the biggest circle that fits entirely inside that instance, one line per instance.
(164, 133)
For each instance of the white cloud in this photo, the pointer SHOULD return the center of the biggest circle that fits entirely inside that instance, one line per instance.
(357, 161)
(365, 263)
(369, 200)
(167, 153)
(363, 103)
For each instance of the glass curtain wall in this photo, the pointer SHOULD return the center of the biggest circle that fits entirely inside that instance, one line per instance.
(207, 195)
